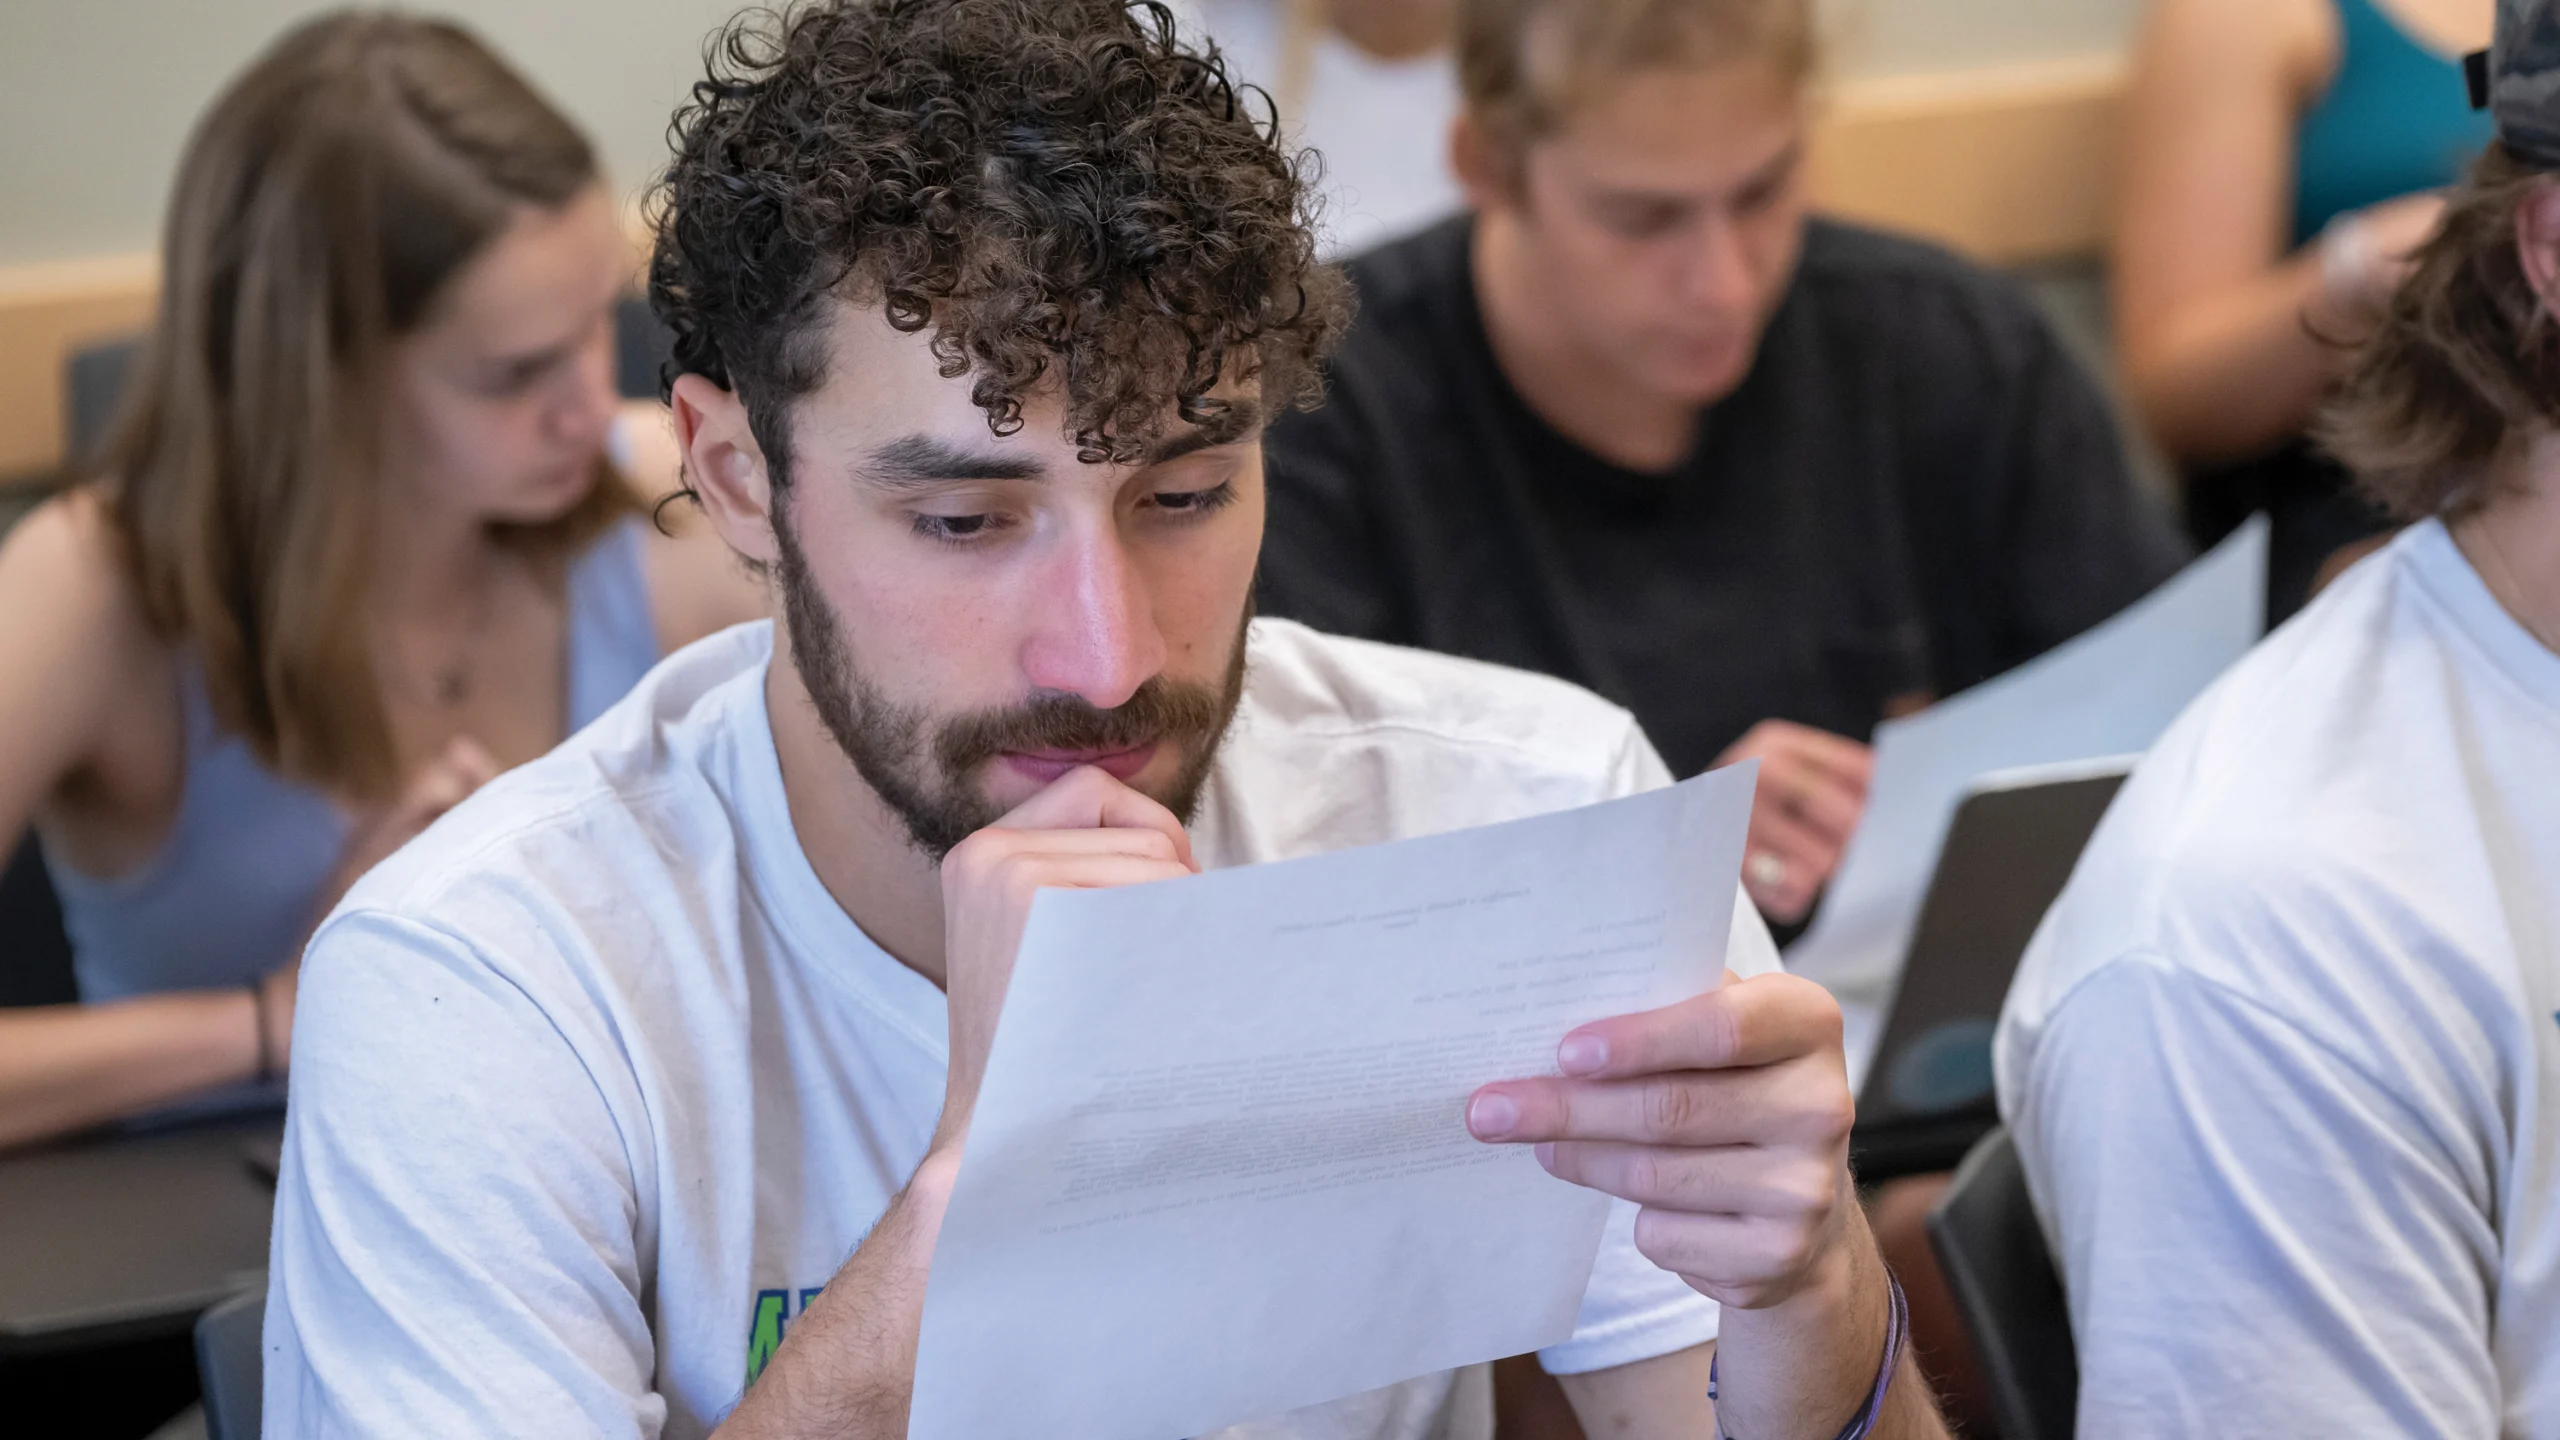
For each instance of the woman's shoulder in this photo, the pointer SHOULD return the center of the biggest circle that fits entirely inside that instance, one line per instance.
(64, 576)
(87, 682)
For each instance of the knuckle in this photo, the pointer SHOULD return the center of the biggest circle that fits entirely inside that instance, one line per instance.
(1808, 1192)
(1643, 1178)
(1653, 1238)
(1565, 1162)
(1670, 1108)
(1721, 1026)
(966, 862)
(1837, 1117)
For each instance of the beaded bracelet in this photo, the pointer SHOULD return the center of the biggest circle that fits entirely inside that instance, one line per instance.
(1863, 1424)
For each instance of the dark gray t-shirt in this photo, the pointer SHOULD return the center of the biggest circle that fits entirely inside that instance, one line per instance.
(1914, 489)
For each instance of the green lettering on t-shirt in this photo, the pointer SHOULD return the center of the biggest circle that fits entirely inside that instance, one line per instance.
(764, 1331)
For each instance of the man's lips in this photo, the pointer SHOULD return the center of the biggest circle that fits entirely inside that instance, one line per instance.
(1047, 765)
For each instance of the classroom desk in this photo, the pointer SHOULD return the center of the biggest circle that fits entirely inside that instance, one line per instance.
(125, 1237)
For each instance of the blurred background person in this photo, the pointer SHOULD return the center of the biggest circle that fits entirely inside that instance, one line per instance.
(2281, 162)
(2282, 1061)
(1636, 421)
(1370, 86)
(355, 547)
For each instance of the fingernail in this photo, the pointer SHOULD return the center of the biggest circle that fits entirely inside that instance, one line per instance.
(1581, 1054)
(1493, 1115)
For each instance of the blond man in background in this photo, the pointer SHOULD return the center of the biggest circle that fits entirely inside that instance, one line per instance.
(1640, 423)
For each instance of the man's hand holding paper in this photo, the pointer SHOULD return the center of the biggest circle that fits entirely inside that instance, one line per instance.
(1321, 1198)
(1725, 1116)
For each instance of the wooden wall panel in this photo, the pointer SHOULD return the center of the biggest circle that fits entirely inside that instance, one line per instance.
(2008, 165)
(46, 313)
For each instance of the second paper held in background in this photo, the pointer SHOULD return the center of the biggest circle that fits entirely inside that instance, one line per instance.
(1219, 1168)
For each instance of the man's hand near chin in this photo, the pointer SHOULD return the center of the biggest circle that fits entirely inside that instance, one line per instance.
(1085, 831)
(1726, 1118)
(847, 1366)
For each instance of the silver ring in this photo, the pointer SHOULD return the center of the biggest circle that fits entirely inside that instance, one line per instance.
(1766, 869)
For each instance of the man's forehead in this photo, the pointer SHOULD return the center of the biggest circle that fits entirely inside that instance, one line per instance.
(1684, 126)
(886, 388)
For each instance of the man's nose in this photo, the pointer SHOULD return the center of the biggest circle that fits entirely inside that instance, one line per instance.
(1717, 272)
(1094, 632)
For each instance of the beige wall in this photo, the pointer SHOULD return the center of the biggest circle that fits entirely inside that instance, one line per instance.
(1906, 37)
(96, 95)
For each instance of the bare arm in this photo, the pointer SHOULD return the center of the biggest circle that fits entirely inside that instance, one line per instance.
(848, 1368)
(2211, 310)
(75, 661)
(68, 1067)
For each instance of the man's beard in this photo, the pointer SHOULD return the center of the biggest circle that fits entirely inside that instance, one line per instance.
(921, 765)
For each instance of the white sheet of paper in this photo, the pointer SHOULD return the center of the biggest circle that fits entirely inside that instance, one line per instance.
(2108, 692)
(1219, 1168)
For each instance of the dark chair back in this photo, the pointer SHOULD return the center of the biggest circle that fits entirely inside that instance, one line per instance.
(230, 1364)
(35, 955)
(1993, 1255)
(98, 375)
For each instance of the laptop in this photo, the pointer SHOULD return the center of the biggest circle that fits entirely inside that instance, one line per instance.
(2016, 835)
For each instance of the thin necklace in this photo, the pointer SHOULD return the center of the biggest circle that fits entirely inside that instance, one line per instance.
(450, 685)
(2522, 609)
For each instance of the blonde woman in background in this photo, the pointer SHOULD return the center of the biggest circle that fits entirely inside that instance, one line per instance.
(355, 548)
(2281, 163)
(1371, 87)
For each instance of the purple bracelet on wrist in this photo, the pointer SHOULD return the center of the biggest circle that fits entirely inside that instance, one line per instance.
(1863, 1424)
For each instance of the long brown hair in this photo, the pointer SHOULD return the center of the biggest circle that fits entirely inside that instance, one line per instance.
(2463, 362)
(322, 203)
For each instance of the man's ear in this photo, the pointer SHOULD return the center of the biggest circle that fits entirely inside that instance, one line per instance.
(2538, 243)
(724, 465)
(1487, 170)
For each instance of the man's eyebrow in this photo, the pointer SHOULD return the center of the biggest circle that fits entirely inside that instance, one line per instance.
(1766, 175)
(1237, 420)
(1777, 166)
(916, 461)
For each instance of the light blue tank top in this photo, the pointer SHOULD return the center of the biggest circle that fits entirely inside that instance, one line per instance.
(234, 887)
(2396, 120)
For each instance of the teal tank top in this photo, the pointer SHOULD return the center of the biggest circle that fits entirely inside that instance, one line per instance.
(2396, 120)
(234, 887)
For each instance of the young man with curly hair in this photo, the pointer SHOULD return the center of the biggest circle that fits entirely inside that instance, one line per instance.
(1640, 423)
(979, 306)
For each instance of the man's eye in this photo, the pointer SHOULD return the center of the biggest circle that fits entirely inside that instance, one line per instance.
(1194, 502)
(1645, 222)
(954, 528)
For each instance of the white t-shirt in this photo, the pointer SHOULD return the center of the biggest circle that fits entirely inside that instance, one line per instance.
(1381, 126)
(2279, 1059)
(595, 1085)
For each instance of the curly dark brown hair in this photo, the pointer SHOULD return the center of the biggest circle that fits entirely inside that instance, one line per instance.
(1040, 182)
